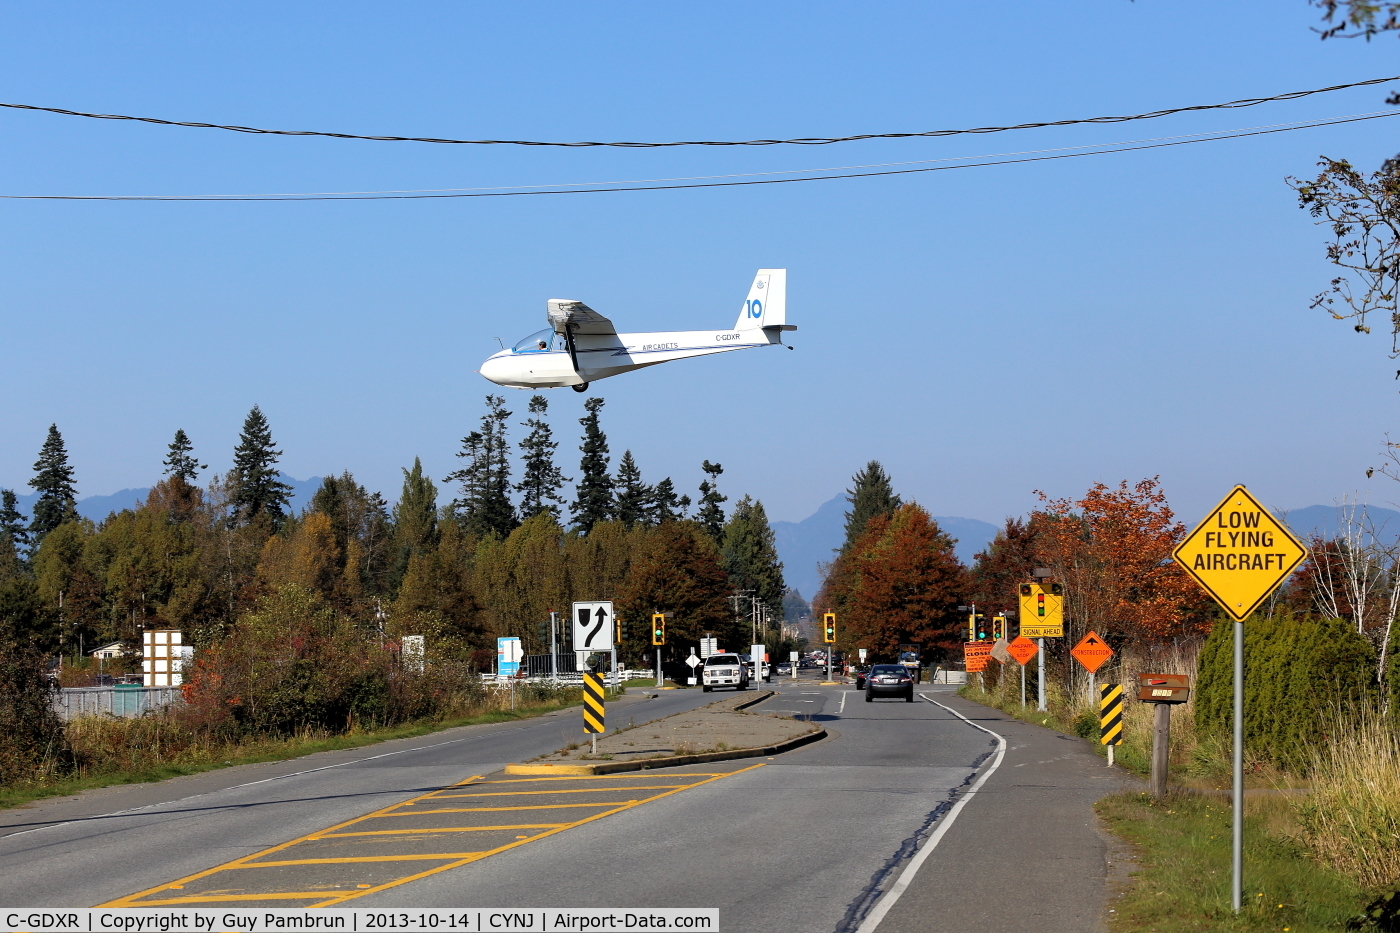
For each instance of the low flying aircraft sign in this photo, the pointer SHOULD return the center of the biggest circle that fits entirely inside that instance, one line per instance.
(581, 346)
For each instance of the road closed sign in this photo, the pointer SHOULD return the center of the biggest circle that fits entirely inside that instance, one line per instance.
(1240, 553)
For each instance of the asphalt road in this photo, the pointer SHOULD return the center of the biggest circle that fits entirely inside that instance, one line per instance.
(816, 839)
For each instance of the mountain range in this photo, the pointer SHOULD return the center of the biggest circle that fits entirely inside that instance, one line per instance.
(805, 544)
(97, 508)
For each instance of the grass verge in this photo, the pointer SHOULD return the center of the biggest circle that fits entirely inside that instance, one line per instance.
(268, 750)
(1182, 884)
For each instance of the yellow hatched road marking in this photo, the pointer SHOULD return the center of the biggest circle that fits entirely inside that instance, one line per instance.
(581, 790)
(453, 860)
(438, 829)
(127, 901)
(541, 806)
(600, 777)
(357, 858)
(285, 896)
(520, 842)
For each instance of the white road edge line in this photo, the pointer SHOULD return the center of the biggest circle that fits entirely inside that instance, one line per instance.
(280, 777)
(888, 900)
(843, 702)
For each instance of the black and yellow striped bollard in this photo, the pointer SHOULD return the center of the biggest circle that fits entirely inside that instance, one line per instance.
(593, 706)
(1111, 717)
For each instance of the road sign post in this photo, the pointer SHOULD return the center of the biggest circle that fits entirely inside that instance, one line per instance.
(1111, 717)
(1022, 649)
(593, 717)
(1239, 554)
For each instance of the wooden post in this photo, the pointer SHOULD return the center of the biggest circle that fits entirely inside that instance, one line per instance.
(1161, 743)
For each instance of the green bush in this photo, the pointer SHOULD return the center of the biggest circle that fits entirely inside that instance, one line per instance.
(35, 748)
(1299, 674)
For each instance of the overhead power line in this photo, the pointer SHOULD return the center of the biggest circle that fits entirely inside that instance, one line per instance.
(629, 186)
(805, 141)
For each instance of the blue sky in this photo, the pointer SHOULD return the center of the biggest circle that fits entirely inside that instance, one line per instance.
(984, 333)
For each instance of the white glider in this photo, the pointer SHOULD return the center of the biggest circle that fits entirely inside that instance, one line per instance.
(581, 346)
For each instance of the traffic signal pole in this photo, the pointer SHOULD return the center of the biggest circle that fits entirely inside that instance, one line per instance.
(659, 682)
(1040, 673)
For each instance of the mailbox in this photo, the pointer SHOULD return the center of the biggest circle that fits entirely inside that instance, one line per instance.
(1164, 688)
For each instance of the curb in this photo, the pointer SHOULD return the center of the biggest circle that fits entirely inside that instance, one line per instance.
(646, 764)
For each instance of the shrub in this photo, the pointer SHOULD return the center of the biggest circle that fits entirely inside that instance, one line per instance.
(35, 746)
(1300, 674)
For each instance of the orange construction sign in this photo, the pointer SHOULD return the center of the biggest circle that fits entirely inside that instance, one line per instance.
(1022, 649)
(1092, 651)
(976, 653)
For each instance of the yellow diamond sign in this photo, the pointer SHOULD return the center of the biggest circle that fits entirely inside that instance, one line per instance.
(1240, 553)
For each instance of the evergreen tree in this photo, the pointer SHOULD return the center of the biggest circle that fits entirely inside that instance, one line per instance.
(485, 507)
(750, 553)
(13, 527)
(666, 506)
(179, 463)
(539, 486)
(873, 495)
(634, 497)
(53, 478)
(710, 513)
(595, 488)
(415, 519)
(257, 489)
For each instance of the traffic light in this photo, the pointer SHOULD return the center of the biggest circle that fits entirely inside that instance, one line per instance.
(658, 628)
(980, 621)
(998, 627)
(829, 628)
(619, 630)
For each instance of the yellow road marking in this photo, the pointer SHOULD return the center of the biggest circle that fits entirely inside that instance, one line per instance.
(600, 777)
(543, 806)
(358, 858)
(439, 829)
(520, 842)
(453, 860)
(292, 896)
(581, 790)
(127, 901)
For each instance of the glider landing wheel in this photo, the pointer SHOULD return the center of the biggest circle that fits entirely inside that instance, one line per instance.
(581, 387)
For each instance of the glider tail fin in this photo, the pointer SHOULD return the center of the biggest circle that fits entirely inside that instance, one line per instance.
(766, 305)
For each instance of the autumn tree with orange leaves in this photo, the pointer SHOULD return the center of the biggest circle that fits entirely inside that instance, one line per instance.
(899, 583)
(1112, 550)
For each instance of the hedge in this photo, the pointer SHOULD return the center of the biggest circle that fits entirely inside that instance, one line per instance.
(1299, 674)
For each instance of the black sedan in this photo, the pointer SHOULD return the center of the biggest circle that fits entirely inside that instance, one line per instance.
(889, 680)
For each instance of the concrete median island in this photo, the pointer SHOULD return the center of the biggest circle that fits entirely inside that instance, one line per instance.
(718, 732)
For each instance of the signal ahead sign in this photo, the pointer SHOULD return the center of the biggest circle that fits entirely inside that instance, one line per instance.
(1042, 610)
(1240, 553)
(593, 626)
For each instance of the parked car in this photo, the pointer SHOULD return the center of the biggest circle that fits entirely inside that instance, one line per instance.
(724, 670)
(889, 680)
(784, 668)
(859, 672)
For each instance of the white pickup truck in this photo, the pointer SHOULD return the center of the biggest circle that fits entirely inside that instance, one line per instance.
(724, 670)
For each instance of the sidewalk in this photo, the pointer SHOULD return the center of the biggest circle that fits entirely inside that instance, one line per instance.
(1027, 853)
